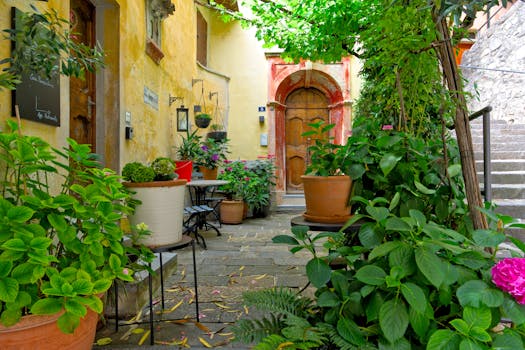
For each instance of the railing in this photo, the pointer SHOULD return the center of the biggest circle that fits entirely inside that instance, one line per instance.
(487, 171)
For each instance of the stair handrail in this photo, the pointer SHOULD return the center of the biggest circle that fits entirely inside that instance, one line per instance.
(487, 168)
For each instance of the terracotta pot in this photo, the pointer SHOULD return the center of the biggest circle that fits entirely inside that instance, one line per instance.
(162, 210)
(207, 173)
(231, 212)
(327, 198)
(42, 333)
(184, 168)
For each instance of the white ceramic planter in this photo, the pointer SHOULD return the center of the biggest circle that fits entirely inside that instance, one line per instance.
(162, 210)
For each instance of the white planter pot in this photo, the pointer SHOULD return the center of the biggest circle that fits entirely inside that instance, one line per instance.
(162, 210)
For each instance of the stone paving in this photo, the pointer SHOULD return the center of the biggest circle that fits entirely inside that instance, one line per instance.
(243, 258)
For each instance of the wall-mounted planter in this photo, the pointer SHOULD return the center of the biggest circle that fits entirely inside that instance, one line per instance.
(217, 136)
(202, 120)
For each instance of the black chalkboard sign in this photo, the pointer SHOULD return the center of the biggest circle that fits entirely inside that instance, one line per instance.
(38, 99)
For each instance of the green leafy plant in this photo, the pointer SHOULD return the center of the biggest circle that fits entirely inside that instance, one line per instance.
(161, 169)
(211, 154)
(60, 246)
(325, 157)
(189, 147)
(410, 283)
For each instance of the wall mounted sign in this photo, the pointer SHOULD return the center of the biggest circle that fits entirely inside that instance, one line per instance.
(151, 98)
(262, 109)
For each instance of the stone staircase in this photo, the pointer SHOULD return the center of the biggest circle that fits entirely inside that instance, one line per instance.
(508, 166)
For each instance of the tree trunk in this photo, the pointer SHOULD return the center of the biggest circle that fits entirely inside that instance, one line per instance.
(450, 71)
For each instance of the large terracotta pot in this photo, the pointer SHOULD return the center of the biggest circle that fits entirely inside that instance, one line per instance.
(41, 332)
(162, 210)
(207, 173)
(231, 212)
(327, 198)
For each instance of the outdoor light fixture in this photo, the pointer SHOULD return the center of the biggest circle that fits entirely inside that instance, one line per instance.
(172, 99)
(182, 118)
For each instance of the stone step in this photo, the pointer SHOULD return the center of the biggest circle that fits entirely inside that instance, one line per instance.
(511, 207)
(505, 177)
(517, 154)
(497, 147)
(498, 125)
(507, 191)
(503, 165)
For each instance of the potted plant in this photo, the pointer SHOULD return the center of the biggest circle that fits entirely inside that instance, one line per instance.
(202, 120)
(258, 191)
(237, 174)
(211, 155)
(186, 152)
(326, 187)
(60, 243)
(161, 198)
(217, 133)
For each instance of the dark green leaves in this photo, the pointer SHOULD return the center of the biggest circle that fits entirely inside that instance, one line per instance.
(393, 319)
(318, 272)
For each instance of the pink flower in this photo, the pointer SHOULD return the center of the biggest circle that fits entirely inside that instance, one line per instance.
(125, 271)
(387, 127)
(509, 275)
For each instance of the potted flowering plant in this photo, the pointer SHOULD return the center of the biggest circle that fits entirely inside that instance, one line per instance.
(211, 155)
(237, 174)
(161, 197)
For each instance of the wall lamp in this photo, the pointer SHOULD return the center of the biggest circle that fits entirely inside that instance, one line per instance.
(182, 118)
(172, 99)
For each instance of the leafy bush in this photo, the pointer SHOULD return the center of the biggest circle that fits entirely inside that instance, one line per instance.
(138, 172)
(163, 168)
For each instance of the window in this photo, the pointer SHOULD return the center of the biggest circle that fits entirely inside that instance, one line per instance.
(202, 39)
(156, 11)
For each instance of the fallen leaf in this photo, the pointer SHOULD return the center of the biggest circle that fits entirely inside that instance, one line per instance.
(137, 331)
(104, 341)
(222, 306)
(175, 307)
(144, 337)
(205, 343)
(260, 277)
(241, 268)
(202, 327)
(246, 309)
(284, 345)
(225, 334)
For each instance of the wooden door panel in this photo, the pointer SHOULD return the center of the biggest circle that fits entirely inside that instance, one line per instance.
(303, 106)
(82, 91)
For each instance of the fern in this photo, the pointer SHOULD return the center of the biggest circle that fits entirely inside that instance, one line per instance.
(274, 341)
(339, 342)
(279, 300)
(254, 331)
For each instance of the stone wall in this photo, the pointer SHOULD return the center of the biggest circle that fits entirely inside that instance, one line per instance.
(502, 47)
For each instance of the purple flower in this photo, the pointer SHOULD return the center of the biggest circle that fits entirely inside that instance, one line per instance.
(509, 275)
(215, 157)
(204, 148)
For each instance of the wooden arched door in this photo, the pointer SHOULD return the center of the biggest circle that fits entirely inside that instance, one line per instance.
(82, 126)
(303, 106)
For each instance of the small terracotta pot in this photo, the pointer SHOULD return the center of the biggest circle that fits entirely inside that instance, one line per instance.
(207, 173)
(231, 212)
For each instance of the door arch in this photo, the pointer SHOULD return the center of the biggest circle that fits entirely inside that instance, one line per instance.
(303, 106)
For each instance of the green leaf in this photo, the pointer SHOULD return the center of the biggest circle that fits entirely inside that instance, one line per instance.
(48, 306)
(394, 202)
(75, 307)
(403, 257)
(488, 238)
(507, 341)
(514, 311)
(10, 317)
(430, 265)
(377, 213)
(388, 162)
(350, 331)
(114, 263)
(479, 317)
(15, 244)
(418, 216)
(373, 306)
(396, 224)
(371, 274)
(443, 339)
(369, 235)
(285, 239)
(480, 334)
(8, 289)
(454, 170)
(318, 272)
(94, 303)
(68, 322)
(20, 214)
(40, 243)
(418, 321)
(24, 273)
(383, 249)
(414, 295)
(393, 320)
(421, 188)
(82, 286)
(461, 326)
(58, 222)
(340, 283)
(102, 285)
(5, 268)
(328, 299)
(468, 344)
(476, 293)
